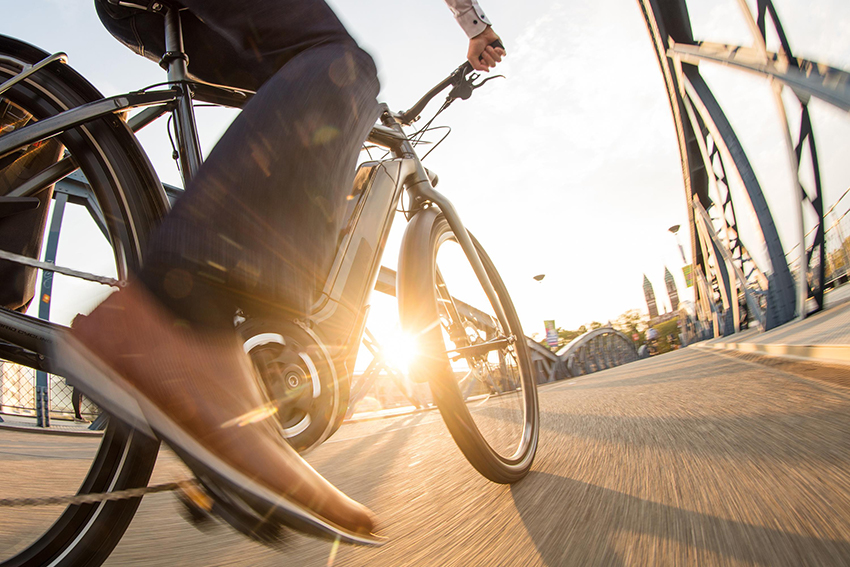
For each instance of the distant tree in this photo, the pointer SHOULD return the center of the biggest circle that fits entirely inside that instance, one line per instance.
(836, 264)
(632, 322)
(565, 336)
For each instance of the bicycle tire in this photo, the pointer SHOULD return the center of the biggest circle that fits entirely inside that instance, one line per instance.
(420, 303)
(132, 200)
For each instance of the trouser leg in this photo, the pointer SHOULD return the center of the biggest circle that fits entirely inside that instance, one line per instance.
(240, 44)
(23, 233)
(258, 226)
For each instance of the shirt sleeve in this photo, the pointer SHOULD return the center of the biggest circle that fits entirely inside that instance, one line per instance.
(469, 15)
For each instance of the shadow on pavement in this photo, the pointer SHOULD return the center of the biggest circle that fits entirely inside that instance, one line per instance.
(576, 523)
(368, 460)
(811, 436)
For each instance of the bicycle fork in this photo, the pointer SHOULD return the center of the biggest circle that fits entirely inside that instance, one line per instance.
(421, 190)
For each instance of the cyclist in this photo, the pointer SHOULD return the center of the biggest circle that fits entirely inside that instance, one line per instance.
(652, 341)
(255, 230)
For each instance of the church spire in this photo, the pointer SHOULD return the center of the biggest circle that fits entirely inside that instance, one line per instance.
(649, 294)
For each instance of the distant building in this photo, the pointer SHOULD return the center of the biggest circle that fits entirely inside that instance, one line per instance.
(650, 298)
(672, 292)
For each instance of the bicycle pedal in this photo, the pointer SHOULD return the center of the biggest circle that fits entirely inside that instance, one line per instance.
(204, 512)
(196, 506)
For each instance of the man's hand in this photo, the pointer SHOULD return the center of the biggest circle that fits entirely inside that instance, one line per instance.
(481, 55)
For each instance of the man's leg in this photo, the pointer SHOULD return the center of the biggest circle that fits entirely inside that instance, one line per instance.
(258, 228)
(261, 221)
(76, 403)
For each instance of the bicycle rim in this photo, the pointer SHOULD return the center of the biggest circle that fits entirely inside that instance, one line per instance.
(118, 173)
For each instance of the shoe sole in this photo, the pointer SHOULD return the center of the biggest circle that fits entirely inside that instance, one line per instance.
(229, 487)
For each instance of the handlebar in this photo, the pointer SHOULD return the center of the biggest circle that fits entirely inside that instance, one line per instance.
(457, 78)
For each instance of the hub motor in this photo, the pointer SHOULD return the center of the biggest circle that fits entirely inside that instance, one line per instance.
(299, 379)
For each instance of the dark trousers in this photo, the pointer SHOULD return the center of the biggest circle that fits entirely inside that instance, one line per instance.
(258, 226)
(76, 403)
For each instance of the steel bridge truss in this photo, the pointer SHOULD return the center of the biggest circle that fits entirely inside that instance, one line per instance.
(596, 350)
(712, 158)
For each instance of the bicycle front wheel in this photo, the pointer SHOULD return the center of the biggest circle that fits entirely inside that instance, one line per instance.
(114, 201)
(478, 368)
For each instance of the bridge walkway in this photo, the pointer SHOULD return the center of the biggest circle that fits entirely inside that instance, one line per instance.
(821, 338)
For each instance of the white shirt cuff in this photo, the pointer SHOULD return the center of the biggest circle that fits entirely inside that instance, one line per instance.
(473, 21)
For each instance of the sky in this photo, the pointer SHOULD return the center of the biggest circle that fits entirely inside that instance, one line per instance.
(569, 166)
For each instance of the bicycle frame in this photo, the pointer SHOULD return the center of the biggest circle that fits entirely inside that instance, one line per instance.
(339, 315)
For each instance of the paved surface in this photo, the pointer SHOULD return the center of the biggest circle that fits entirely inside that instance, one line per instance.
(26, 423)
(694, 457)
(29, 424)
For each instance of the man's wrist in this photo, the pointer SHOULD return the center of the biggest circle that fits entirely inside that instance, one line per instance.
(485, 33)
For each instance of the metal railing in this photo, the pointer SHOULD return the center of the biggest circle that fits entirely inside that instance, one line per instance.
(17, 394)
(837, 243)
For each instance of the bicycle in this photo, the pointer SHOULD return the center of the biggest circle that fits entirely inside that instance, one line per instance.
(472, 354)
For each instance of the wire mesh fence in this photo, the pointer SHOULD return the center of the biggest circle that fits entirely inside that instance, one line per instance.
(17, 388)
(17, 394)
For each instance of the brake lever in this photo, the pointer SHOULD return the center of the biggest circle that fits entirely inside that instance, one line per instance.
(465, 85)
(461, 88)
(481, 84)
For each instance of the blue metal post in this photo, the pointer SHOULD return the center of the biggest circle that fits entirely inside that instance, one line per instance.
(42, 379)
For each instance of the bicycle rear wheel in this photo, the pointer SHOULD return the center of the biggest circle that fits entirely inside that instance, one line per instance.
(479, 370)
(128, 194)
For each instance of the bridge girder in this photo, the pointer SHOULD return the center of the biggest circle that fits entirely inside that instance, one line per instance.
(712, 155)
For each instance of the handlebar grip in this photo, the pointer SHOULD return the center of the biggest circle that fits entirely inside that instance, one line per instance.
(497, 43)
(466, 68)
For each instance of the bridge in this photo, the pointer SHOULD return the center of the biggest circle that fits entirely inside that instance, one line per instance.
(732, 290)
(732, 450)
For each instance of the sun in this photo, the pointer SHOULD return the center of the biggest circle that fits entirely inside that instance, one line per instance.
(400, 350)
(397, 347)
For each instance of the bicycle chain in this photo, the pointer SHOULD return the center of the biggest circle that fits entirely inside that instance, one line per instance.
(94, 498)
